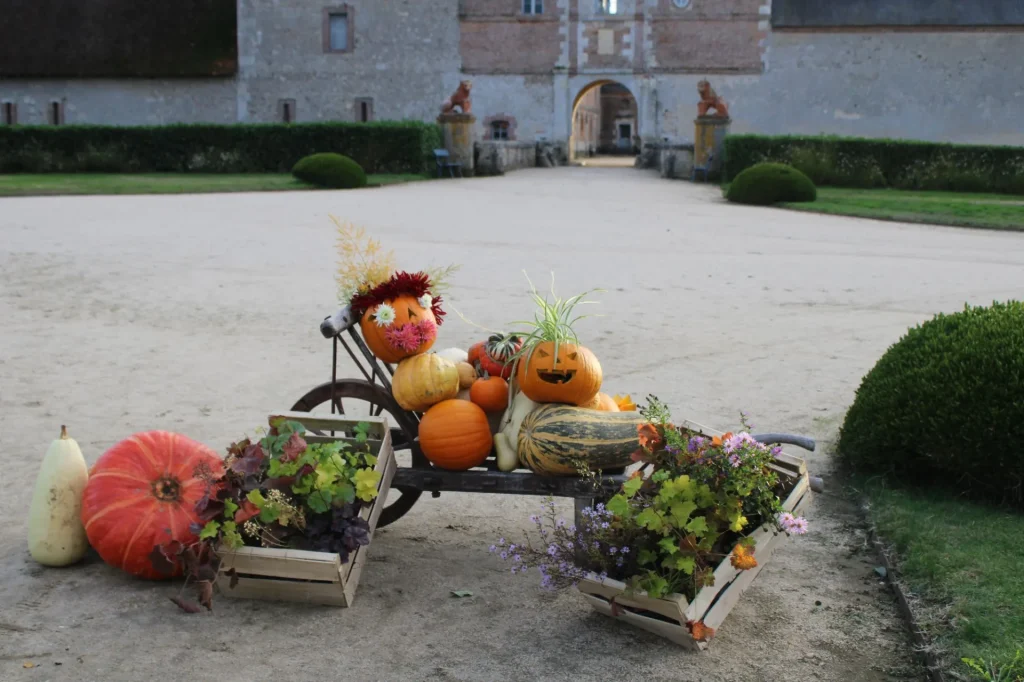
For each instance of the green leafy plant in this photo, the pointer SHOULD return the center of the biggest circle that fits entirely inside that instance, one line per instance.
(899, 164)
(943, 406)
(330, 170)
(378, 147)
(987, 671)
(665, 532)
(280, 492)
(770, 183)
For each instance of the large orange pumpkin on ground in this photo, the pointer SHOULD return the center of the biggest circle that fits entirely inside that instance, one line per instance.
(571, 375)
(399, 328)
(142, 492)
(455, 435)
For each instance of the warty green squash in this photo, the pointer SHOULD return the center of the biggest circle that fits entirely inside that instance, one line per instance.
(554, 436)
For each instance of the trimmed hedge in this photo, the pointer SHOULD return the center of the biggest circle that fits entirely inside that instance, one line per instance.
(769, 183)
(379, 147)
(899, 164)
(945, 406)
(330, 170)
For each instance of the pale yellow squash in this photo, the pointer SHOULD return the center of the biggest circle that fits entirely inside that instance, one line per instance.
(424, 380)
(55, 533)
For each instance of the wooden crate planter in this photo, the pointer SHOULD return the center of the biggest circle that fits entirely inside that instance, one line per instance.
(312, 577)
(668, 616)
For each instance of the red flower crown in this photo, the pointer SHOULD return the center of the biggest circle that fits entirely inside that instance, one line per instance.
(414, 284)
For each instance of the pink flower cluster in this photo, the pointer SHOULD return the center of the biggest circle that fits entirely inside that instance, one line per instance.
(410, 336)
(794, 525)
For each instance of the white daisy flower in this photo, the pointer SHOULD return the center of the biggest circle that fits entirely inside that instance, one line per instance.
(426, 300)
(384, 316)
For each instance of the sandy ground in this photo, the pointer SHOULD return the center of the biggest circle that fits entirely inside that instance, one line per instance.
(199, 314)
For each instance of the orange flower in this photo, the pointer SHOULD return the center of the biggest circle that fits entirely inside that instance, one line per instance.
(743, 558)
(624, 402)
(648, 435)
(700, 632)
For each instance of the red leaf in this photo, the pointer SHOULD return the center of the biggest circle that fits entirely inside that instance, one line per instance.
(616, 609)
(164, 558)
(649, 436)
(246, 512)
(206, 594)
(233, 574)
(294, 448)
(187, 606)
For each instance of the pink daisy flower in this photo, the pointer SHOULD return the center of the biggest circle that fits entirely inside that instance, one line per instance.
(427, 330)
(405, 338)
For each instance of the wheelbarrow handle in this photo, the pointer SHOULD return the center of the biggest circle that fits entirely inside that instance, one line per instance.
(785, 439)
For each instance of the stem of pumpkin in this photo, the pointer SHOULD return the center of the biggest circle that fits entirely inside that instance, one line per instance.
(63, 432)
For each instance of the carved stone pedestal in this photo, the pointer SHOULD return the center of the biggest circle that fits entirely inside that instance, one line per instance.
(709, 138)
(459, 131)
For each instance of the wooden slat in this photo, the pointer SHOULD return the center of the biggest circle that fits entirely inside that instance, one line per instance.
(678, 634)
(284, 563)
(327, 594)
(386, 464)
(378, 425)
(672, 606)
(798, 493)
(732, 593)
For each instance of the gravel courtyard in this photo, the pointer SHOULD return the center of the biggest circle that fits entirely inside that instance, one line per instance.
(199, 314)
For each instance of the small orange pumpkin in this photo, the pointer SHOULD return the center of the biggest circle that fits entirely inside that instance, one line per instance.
(490, 393)
(572, 376)
(407, 329)
(455, 435)
(603, 403)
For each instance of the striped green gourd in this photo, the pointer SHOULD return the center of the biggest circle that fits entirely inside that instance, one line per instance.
(554, 436)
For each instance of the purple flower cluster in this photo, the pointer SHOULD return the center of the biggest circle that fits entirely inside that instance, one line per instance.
(794, 525)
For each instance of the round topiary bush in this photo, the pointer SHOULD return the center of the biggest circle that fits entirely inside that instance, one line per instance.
(945, 405)
(330, 170)
(764, 184)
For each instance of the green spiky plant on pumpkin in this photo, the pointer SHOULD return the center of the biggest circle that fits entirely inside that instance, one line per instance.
(551, 338)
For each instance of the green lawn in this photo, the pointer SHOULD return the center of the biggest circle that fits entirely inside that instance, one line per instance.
(165, 183)
(966, 562)
(992, 211)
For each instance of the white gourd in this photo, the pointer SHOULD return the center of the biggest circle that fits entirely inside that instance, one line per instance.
(455, 355)
(506, 441)
(55, 533)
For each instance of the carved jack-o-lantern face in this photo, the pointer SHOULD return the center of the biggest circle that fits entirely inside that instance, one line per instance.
(399, 327)
(572, 375)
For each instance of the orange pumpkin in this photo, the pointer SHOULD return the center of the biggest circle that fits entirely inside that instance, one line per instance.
(398, 328)
(603, 403)
(455, 435)
(572, 375)
(491, 394)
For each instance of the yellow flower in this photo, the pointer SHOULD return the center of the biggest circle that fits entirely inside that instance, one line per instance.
(624, 402)
(743, 558)
(366, 484)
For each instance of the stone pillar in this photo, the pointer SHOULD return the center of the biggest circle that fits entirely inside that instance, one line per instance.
(459, 131)
(709, 136)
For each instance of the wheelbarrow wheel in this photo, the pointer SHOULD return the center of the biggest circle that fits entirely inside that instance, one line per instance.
(356, 398)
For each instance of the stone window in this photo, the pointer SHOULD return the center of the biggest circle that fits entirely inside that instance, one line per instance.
(533, 6)
(339, 29)
(364, 109)
(286, 110)
(499, 129)
(10, 113)
(607, 6)
(55, 113)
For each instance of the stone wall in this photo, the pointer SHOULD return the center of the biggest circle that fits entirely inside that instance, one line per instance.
(496, 158)
(404, 58)
(962, 85)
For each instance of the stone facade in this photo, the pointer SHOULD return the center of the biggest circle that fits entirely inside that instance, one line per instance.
(926, 82)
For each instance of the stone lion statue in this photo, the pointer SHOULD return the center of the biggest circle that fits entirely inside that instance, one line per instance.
(710, 100)
(460, 98)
